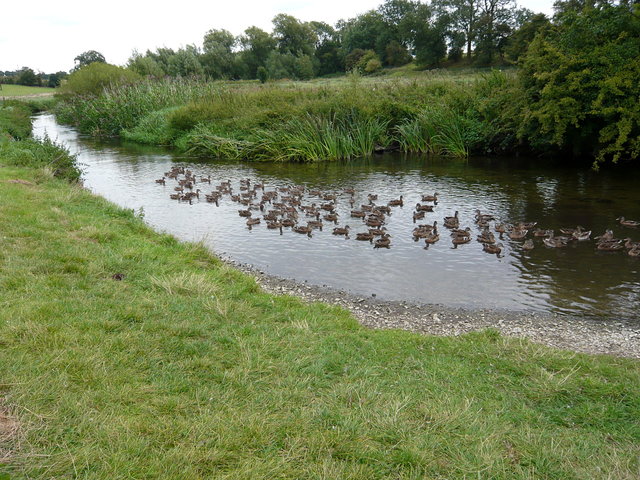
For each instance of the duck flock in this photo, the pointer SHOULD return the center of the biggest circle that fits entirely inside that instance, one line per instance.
(305, 210)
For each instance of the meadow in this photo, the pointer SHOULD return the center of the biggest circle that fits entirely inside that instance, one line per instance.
(21, 90)
(127, 354)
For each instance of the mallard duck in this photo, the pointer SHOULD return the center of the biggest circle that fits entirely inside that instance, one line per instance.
(487, 237)
(610, 246)
(430, 198)
(452, 222)
(457, 232)
(431, 238)
(525, 225)
(349, 191)
(492, 249)
(606, 236)
(528, 245)
(288, 222)
(161, 181)
(315, 224)
(303, 230)
(174, 196)
(500, 228)
(542, 233)
(371, 197)
(418, 216)
(274, 225)
(341, 231)
(377, 232)
(555, 242)
(374, 221)
(628, 223)
(571, 231)
(244, 213)
(634, 252)
(253, 221)
(460, 240)
(331, 217)
(483, 218)
(365, 236)
(581, 235)
(630, 244)
(358, 214)
(518, 234)
(424, 208)
(396, 203)
(383, 242)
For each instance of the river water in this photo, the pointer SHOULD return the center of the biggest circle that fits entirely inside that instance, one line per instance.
(574, 280)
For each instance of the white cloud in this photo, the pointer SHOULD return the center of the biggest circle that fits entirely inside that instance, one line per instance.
(46, 35)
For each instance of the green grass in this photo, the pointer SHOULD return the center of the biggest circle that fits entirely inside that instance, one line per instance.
(21, 90)
(324, 119)
(184, 369)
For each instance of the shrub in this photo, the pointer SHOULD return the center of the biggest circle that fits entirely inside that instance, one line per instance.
(94, 78)
(263, 75)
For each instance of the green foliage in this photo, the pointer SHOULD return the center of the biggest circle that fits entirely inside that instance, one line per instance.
(122, 107)
(152, 129)
(145, 65)
(87, 58)
(262, 74)
(15, 120)
(94, 78)
(27, 77)
(43, 153)
(581, 84)
(218, 58)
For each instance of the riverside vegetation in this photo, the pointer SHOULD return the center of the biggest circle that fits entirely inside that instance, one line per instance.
(128, 354)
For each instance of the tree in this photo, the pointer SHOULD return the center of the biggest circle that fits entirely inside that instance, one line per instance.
(145, 65)
(27, 77)
(519, 42)
(464, 17)
(256, 47)
(185, 62)
(88, 57)
(218, 58)
(293, 36)
(580, 80)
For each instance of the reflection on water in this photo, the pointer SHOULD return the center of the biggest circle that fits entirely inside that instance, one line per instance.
(576, 279)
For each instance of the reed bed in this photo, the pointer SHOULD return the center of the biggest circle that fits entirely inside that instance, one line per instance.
(436, 114)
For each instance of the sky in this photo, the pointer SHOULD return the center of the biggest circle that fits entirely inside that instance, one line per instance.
(47, 35)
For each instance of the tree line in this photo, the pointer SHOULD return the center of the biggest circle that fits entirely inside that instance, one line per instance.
(479, 32)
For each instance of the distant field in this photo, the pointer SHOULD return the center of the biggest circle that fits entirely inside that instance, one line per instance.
(19, 90)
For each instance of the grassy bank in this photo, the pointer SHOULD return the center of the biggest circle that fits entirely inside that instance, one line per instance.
(440, 113)
(21, 90)
(126, 354)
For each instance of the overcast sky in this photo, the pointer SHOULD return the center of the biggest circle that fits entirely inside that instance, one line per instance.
(47, 35)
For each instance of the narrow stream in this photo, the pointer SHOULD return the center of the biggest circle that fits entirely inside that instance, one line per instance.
(576, 279)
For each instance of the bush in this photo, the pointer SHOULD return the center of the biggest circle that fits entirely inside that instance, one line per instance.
(263, 75)
(15, 120)
(94, 78)
(43, 153)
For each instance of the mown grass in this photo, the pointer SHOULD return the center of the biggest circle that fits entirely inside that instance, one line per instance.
(21, 90)
(184, 369)
(326, 119)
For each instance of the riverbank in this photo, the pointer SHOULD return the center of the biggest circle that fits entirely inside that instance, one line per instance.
(126, 354)
(595, 335)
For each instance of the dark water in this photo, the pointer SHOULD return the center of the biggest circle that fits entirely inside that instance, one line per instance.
(576, 279)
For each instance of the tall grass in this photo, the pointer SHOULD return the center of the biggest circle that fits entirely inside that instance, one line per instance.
(122, 107)
(299, 122)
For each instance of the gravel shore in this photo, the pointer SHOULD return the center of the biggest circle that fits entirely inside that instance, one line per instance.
(586, 335)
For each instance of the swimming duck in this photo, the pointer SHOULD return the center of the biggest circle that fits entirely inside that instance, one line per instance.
(610, 246)
(492, 249)
(303, 230)
(244, 213)
(542, 233)
(358, 214)
(628, 223)
(377, 232)
(487, 238)
(631, 245)
(365, 236)
(555, 242)
(253, 221)
(424, 208)
(315, 224)
(581, 235)
(483, 217)
(634, 252)
(460, 240)
(452, 222)
(418, 216)
(518, 234)
(374, 221)
(341, 231)
(383, 242)
(331, 217)
(396, 203)
(528, 245)
(431, 238)
(161, 181)
(430, 198)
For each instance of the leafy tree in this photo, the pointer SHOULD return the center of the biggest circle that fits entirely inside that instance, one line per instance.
(327, 51)
(519, 42)
(464, 19)
(580, 80)
(218, 58)
(185, 62)
(396, 54)
(145, 65)
(27, 77)
(368, 31)
(87, 58)
(293, 36)
(256, 47)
